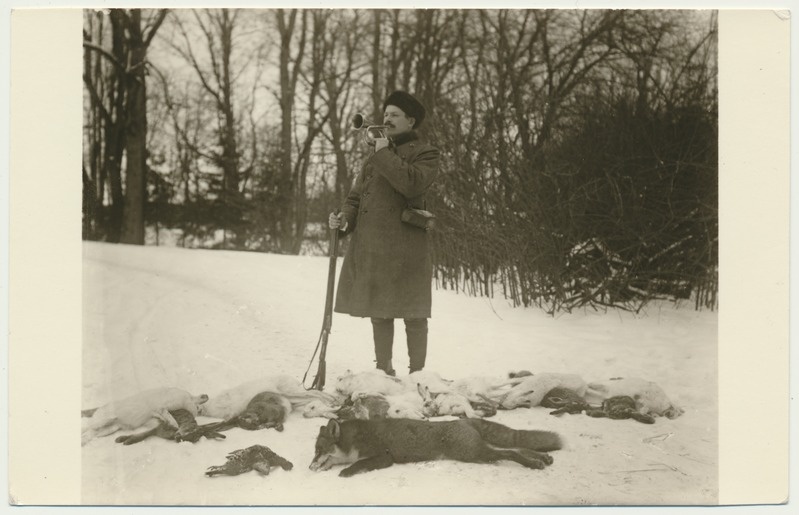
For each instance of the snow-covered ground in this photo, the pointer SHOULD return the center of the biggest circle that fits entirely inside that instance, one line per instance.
(206, 321)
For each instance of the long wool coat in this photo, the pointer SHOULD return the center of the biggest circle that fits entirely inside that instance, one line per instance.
(387, 271)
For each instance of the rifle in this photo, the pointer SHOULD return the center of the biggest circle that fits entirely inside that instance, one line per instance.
(327, 323)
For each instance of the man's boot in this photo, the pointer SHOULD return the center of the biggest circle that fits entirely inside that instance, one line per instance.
(416, 332)
(383, 330)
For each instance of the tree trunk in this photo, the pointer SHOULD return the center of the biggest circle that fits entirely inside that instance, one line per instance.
(115, 130)
(135, 136)
(377, 92)
(288, 87)
(285, 182)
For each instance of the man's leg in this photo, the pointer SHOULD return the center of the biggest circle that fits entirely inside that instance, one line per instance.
(383, 330)
(416, 331)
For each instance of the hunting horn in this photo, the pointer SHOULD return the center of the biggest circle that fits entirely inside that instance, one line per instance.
(371, 131)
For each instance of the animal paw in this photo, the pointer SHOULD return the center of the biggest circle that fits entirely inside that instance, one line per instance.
(347, 472)
(538, 464)
(643, 418)
(537, 456)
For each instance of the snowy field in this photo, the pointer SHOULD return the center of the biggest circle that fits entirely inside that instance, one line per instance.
(207, 321)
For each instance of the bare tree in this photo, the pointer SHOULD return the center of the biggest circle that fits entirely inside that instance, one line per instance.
(105, 122)
(578, 146)
(139, 39)
(219, 65)
(289, 68)
(341, 71)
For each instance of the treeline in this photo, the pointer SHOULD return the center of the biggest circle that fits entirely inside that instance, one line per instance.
(580, 147)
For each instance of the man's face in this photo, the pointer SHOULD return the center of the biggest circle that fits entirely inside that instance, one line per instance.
(397, 121)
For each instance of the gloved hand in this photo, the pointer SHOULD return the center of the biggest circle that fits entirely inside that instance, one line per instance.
(380, 143)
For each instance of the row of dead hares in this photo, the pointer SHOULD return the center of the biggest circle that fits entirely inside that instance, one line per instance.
(266, 403)
(424, 394)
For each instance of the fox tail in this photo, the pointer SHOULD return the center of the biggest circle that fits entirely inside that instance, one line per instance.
(506, 437)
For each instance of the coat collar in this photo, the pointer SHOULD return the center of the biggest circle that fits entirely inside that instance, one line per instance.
(405, 137)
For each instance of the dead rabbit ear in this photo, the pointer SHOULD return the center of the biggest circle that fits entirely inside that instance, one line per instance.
(424, 391)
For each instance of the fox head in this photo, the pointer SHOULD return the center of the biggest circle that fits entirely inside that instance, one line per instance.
(326, 446)
(328, 451)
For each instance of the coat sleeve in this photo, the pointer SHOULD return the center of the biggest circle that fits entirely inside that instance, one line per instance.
(411, 178)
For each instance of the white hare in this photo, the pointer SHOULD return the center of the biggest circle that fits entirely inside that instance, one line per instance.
(145, 410)
(650, 399)
(371, 382)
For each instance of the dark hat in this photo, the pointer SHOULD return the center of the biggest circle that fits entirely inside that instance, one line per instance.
(409, 105)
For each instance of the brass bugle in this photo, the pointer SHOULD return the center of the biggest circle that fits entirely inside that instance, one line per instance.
(372, 131)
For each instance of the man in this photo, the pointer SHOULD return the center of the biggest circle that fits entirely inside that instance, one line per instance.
(387, 270)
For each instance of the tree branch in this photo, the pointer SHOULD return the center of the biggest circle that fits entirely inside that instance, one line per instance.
(105, 53)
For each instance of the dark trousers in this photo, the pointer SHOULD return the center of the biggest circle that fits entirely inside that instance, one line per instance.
(416, 333)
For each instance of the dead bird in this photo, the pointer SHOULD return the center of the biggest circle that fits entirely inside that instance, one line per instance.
(256, 457)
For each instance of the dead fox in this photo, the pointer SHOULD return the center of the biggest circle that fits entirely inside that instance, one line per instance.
(375, 444)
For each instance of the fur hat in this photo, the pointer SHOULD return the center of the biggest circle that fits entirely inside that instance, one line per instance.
(409, 105)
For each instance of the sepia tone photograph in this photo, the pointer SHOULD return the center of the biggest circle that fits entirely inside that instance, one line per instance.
(563, 302)
(399, 257)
